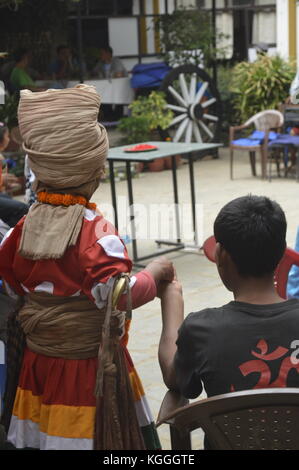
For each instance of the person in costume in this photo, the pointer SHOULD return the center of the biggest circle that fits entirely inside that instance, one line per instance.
(77, 387)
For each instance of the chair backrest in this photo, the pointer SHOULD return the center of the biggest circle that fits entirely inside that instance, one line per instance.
(264, 419)
(266, 120)
(291, 114)
(290, 258)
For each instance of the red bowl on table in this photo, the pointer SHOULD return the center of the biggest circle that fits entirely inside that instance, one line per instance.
(141, 148)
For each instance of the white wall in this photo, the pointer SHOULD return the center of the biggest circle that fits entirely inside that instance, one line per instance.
(264, 27)
(186, 3)
(123, 36)
(282, 22)
(225, 25)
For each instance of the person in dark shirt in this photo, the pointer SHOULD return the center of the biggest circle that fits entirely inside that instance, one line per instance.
(253, 341)
(62, 68)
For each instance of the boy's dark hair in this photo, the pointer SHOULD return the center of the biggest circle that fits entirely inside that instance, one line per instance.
(3, 129)
(20, 53)
(252, 229)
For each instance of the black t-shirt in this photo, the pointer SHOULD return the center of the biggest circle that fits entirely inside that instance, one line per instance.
(238, 346)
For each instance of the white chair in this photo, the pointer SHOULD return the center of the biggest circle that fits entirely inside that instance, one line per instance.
(264, 122)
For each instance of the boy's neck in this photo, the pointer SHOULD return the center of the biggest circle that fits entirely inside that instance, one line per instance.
(257, 291)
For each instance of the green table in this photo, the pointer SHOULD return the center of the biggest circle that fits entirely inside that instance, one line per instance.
(165, 149)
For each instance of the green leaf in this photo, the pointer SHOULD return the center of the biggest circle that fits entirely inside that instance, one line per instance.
(263, 84)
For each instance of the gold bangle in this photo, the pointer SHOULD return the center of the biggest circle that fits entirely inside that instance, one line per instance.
(118, 291)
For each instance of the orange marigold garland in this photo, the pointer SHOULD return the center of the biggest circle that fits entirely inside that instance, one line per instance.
(64, 200)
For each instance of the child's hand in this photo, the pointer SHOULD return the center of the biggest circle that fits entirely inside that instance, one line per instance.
(169, 289)
(161, 269)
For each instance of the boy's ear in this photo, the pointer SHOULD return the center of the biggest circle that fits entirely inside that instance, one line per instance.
(222, 257)
(217, 253)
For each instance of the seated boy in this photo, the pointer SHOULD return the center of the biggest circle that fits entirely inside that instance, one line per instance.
(252, 342)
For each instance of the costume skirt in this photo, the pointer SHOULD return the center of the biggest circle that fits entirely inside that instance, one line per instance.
(55, 409)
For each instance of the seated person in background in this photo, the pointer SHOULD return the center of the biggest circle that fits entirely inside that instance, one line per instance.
(250, 342)
(5, 178)
(62, 68)
(20, 78)
(11, 211)
(109, 66)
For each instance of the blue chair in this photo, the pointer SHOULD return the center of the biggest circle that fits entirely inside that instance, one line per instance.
(288, 142)
(265, 123)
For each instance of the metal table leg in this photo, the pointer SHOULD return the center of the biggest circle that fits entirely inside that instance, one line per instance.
(193, 200)
(176, 198)
(132, 215)
(133, 227)
(173, 246)
(178, 244)
(113, 193)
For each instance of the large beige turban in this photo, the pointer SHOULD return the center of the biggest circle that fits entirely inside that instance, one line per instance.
(67, 150)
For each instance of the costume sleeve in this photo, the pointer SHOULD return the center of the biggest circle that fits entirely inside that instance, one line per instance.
(186, 363)
(102, 262)
(143, 290)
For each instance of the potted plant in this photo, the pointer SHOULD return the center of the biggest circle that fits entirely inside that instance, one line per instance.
(148, 113)
(263, 84)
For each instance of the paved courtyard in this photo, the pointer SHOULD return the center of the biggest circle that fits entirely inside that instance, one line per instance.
(201, 285)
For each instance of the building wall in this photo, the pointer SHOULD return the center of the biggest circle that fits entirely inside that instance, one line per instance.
(280, 28)
(288, 28)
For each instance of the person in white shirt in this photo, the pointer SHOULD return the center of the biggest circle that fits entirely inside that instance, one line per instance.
(109, 66)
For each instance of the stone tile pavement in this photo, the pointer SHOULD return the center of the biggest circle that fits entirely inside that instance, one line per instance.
(201, 285)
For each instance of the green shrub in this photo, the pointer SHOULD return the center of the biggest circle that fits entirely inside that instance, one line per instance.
(135, 128)
(148, 113)
(261, 85)
(224, 76)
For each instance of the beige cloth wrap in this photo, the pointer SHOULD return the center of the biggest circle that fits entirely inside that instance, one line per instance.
(56, 326)
(67, 150)
(73, 328)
